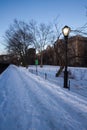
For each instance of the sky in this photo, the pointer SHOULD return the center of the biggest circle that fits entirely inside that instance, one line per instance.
(67, 12)
(31, 102)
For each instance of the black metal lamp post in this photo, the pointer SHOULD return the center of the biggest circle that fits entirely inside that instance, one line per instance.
(66, 31)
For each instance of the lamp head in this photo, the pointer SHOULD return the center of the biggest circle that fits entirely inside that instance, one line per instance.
(66, 31)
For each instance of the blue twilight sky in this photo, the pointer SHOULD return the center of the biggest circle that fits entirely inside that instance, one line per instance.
(69, 12)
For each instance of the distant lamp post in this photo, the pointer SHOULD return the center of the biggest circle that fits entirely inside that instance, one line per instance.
(66, 31)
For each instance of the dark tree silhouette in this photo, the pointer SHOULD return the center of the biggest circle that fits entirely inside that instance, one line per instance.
(19, 39)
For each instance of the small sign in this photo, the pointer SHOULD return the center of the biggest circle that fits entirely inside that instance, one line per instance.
(36, 62)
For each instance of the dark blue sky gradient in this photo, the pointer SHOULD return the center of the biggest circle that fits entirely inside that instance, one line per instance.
(70, 12)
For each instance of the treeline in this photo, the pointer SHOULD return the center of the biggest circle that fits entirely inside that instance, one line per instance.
(21, 36)
(26, 42)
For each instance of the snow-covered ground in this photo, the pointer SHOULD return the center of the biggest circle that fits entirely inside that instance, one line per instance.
(77, 79)
(28, 101)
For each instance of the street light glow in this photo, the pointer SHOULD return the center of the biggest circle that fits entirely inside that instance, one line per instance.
(66, 31)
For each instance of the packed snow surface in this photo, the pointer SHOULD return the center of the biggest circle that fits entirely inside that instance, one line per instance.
(30, 102)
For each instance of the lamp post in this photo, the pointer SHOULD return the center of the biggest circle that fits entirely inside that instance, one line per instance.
(66, 31)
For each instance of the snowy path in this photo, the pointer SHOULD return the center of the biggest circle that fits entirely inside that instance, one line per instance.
(27, 102)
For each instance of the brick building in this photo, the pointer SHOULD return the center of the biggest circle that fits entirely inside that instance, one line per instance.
(77, 50)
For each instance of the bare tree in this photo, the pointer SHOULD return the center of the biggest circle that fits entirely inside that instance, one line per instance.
(18, 39)
(43, 35)
(80, 30)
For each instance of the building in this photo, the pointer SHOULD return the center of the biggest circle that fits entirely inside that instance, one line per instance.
(77, 46)
(76, 52)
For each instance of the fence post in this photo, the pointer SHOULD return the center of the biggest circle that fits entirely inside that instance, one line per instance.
(69, 85)
(45, 75)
